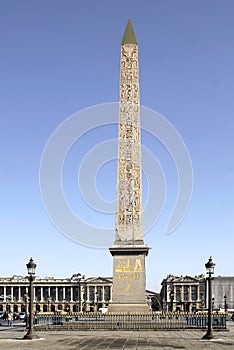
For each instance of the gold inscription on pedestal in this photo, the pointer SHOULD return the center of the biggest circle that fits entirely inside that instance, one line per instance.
(124, 276)
(138, 267)
(123, 268)
(128, 273)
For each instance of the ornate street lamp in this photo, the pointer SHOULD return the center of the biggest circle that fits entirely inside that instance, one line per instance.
(31, 266)
(26, 308)
(225, 303)
(210, 271)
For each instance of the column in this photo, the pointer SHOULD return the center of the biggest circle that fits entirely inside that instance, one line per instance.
(87, 304)
(198, 297)
(174, 299)
(71, 294)
(4, 293)
(190, 298)
(81, 295)
(19, 296)
(190, 293)
(56, 294)
(110, 293)
(103, 295)
(12, 296)
(64, 293)
(198, 293)
(41, 294)
(95, 299)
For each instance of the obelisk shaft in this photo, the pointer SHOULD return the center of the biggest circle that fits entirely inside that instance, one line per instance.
(129, 181)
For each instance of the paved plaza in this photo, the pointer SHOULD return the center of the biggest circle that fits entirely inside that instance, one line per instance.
(11, 338)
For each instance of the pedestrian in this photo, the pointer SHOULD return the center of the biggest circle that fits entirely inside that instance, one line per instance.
(9, 319)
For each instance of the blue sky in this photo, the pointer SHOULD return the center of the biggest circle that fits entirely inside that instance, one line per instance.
(59, 57)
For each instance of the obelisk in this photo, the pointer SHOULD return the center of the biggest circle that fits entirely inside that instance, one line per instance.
(129, 250)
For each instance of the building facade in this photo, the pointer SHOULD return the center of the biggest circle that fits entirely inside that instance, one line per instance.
(184, 293)
(223, 292)
(74, 294)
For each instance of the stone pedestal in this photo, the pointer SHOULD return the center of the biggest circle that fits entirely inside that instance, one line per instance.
(129, 279)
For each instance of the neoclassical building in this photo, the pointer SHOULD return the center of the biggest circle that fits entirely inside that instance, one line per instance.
(74, 294)
(183, 293)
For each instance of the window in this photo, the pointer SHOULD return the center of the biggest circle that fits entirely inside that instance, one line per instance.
(202, 292)
(107, 293)
(178, 295)
(45, 293)
(53, 293)
(194, 293)
(60, 293)
(186, 293)
(38, 293)
(99, 293)
(76, 293)
(68, 293)
(91, 293)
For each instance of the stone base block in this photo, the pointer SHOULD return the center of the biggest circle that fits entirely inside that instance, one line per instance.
(128, 308)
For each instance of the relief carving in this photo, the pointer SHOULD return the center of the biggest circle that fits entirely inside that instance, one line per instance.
(129, 163)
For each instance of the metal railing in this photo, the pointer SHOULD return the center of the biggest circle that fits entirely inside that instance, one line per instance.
(152, 321)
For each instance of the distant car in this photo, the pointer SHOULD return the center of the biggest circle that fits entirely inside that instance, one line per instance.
(2, 314)
(22, 316)
(103, 310)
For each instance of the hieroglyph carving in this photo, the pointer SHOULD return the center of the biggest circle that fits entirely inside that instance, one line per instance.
(129, 191)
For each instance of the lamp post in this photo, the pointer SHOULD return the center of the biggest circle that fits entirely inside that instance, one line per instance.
(225, 303)
(172, 299)
(26, 308)
(209, 270)
(31, 266)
